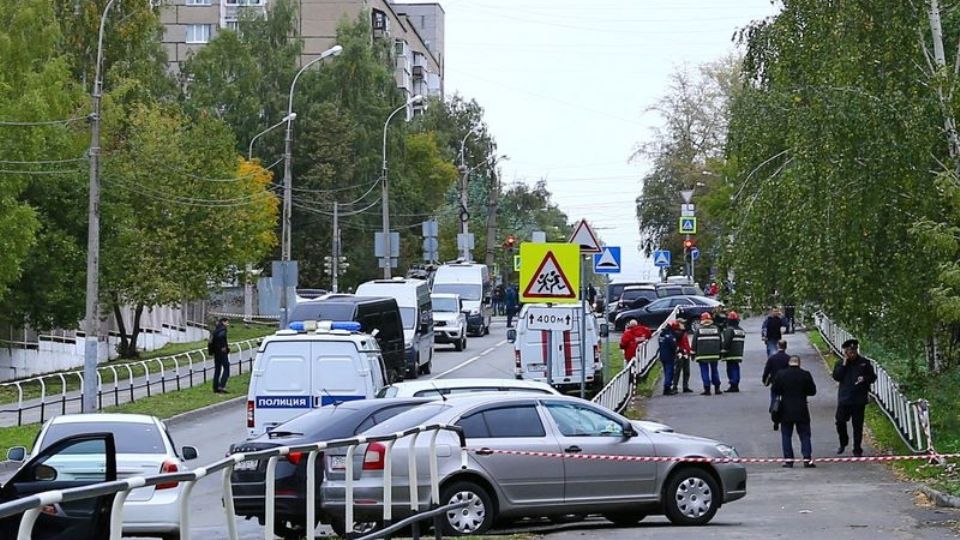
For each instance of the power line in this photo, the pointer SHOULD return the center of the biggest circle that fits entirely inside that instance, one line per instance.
(40, 173)
(191, 201)
(42, 162)
(65, 121)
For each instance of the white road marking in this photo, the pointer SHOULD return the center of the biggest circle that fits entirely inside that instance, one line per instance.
(469, 360)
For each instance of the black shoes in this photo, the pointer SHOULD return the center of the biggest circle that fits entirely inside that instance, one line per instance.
(687, 390)
(788, 465)
(717, 391)
(776, 426)
(858, 452)
(734, 388)
(669, 392)
(809, 464)
(841, 450)
(706, 392)
(221, 391)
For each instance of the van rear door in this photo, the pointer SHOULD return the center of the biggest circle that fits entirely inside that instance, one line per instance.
(279, 384)
(338, 373)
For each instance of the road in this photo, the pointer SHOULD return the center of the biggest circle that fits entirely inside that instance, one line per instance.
(486, 356)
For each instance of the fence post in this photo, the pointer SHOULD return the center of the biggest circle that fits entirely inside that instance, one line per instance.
(312, 491)
(43, 398)
(348, 490)
(227, 490)
(269, 499)
(388, 482)
(435, 485)
(414, 483)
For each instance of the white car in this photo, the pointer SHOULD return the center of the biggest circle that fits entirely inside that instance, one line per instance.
(438, 388)
(449, 320)
(143, 447)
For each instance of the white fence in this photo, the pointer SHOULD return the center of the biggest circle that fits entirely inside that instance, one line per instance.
(617, 393)
(31, 506)
(911, 418)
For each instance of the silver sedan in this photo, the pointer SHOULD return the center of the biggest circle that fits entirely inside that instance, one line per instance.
(556, 481)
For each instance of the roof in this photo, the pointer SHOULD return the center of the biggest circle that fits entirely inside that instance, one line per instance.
(104, 417)
(473, 382)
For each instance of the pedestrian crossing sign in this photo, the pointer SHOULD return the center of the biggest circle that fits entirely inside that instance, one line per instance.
(549, 273)
(661, 258)
(688, 225)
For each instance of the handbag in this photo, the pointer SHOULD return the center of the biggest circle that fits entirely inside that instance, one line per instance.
(776, 406)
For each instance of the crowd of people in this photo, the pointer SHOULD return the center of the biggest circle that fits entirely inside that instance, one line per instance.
(719, 338)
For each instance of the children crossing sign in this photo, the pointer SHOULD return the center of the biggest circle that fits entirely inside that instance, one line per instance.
(549, 273)
(688, 225)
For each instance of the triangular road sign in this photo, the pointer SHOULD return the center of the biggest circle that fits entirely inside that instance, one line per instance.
(585, 237)
(549, 281)
(661, 258)
(607, 261)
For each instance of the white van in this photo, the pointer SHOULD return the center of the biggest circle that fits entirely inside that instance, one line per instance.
(309, 366)
(553, 356)
(472, 282)
(416, 310)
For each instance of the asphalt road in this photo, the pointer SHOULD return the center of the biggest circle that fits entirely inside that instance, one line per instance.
(486, 356)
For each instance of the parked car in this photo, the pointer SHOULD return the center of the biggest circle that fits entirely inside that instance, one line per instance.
(678, 289)
(143, 447)
(633, 296)
(449, 320)
(654, 313)
(324, 424)
(615, 291)
(511, 486)
(416, 310)
(473, 283)
(58, 467)
(441, 388)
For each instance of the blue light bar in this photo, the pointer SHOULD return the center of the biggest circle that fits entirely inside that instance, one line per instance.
(297, 326)
(350, 326)
(302, 326)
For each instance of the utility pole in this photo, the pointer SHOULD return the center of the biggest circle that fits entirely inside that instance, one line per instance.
(464, 212)
(493, 198)
(91, 342)
(949, 123)
(335, 260)
(385, 194)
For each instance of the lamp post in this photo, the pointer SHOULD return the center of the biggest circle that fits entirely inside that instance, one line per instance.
(385, 197)
(91, 342)
(464, 196)
(288, 118)
(285, 231)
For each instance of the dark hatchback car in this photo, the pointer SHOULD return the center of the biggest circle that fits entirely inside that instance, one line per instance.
(653, 314)
(324, 424)
(678, 289)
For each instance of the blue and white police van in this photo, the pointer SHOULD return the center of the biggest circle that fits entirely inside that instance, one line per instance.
(310, 365)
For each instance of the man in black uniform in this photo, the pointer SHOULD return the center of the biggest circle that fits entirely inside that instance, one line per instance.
(774, 364)
(794, 385)
(855, 375)
(220, 348)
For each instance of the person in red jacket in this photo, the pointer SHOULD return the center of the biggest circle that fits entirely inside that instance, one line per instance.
(684, 352)
(633, 335)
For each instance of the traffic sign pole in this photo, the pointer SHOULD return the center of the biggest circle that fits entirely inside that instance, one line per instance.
(583, 328)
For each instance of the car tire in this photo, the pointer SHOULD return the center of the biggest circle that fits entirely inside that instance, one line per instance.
(459, 345)
(428, 366)
(463, 341)
(340, 529)
(476, 518)
(624, 519)
(692, 497)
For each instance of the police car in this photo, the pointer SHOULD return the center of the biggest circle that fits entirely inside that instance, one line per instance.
(310, 365)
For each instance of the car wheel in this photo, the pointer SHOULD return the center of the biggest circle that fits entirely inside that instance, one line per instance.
(428, 366)
(463, 341)
(624, 519)
(473, 519)
(287, 530)
(362, 528)
(458, 346)
(692, 497)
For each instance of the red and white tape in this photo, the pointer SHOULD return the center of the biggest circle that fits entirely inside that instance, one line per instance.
(668, 459)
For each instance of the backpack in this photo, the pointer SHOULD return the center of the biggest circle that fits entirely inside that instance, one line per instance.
(210, 347)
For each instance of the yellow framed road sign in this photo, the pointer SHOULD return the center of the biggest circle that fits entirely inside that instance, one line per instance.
(516, 263)
(688, 225)
(550, 273)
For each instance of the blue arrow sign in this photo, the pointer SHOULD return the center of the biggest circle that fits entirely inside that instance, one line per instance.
(661, 258)
(607, 261)
(695, 253)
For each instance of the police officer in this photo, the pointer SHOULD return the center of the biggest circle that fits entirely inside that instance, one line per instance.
(855, 375)
(706, 347)
(669, 351)
(731, 349)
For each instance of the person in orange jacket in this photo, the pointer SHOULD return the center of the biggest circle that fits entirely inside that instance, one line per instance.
(633, 336)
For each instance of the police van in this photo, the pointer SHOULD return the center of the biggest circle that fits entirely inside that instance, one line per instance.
(311, 365)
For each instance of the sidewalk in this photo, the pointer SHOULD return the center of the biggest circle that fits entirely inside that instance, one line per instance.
(56, 403)
(849, 501)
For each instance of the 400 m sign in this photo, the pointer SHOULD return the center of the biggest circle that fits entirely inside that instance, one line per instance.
(549, 319)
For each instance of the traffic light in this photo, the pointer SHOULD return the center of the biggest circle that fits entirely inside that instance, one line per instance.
(511, 242)
(689, 244)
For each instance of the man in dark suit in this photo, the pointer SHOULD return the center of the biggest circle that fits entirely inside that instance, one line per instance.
(855, 375)
(794, 385)
(775, 363)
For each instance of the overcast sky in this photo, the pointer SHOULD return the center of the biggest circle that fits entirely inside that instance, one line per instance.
(566, 83)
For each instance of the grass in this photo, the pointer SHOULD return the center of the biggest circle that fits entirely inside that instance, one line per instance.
(646, 386)
(886, 439)
(164, 355)
(162, 406)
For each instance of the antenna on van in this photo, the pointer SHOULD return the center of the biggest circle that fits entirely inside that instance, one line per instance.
(336, 401)
(437, 388)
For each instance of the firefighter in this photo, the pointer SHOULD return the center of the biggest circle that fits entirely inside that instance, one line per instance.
(731, 349)
(706, 347)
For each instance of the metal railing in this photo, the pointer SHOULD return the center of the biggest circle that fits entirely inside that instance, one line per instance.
(60, 393)
(910, 418)
(617, 393)
(31, 506)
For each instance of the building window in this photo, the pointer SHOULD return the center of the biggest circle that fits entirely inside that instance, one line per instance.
(232, 24)
(198, 33)
(379, 20)
(245, 2)
(198, 2)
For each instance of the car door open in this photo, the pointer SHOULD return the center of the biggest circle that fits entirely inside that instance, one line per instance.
(72, 462)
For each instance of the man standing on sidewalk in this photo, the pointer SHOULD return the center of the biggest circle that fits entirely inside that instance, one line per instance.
(221, 356)
(706, 345)
(684, 352)
(855, 375)
(774, 364)
(668, 356)
(794, 385)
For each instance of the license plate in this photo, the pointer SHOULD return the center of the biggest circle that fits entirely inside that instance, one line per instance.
(537, 367)
(338, 462)
(248, 465)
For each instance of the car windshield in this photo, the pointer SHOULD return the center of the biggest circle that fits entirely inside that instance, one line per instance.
(322, 311)
(409, 316)
(633, 294)
(408, 419)
(446, 305)
(465, 290)
(130, 437)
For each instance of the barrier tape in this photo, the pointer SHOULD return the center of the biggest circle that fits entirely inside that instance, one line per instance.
(934, 457)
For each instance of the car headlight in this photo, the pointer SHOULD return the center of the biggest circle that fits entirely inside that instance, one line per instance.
(727, 451)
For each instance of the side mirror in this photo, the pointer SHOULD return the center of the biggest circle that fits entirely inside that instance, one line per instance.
(604, 330)
(512, 335)
(629, 431)
(189, 453)
(17, 454)
(44, 473)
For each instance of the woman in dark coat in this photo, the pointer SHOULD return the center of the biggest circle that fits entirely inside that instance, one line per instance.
(794, 385)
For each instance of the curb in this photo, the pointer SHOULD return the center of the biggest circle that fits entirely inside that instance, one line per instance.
(938, 497)
(203, 411)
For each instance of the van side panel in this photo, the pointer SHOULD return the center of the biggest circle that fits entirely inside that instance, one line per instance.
(338, 373)
(279, 385)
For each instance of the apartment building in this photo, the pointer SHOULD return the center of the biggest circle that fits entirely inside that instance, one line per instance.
(415, 30)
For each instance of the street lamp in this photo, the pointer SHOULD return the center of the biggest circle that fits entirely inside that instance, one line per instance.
(288, 118)
(385, 197)
(464, 194)
(91, 342)
(285, 231)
